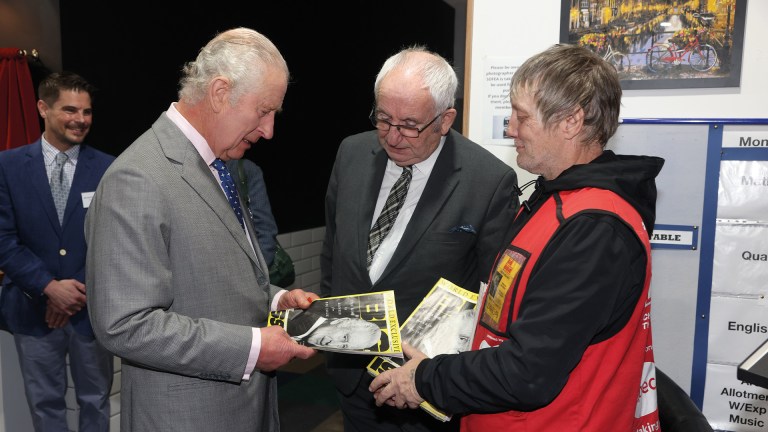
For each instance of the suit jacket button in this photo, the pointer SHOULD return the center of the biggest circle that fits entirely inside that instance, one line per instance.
(62, 252)
(262, 280)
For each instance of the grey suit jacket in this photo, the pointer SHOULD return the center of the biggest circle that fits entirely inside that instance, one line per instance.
(174, 288)
(455, 232)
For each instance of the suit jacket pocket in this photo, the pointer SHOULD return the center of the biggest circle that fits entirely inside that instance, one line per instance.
(195, 385)
(450, 237)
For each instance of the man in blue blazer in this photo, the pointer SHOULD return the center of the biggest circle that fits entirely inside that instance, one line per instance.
(42, 252)
(458, 204)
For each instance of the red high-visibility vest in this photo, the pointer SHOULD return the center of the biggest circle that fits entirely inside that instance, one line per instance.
(613, 388)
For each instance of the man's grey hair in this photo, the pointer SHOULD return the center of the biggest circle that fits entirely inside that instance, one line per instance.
(437, 74)
(564, 78)
(241, 55)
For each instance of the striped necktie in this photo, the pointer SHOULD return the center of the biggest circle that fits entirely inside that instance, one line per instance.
(389, 213)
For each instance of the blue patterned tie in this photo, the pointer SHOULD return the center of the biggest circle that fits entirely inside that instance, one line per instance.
(229, 189)
(60, 185)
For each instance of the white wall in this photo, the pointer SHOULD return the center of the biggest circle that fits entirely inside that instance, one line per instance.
(517, 29)
(14, 411)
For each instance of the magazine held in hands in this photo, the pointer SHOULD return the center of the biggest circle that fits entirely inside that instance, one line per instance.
(355, 324)
(443, 323)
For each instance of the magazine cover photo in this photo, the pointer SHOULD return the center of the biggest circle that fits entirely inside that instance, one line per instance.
(357, 324)
(443, 323)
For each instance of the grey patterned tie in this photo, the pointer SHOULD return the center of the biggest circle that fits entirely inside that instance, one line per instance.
(60, 185)
(389, 213)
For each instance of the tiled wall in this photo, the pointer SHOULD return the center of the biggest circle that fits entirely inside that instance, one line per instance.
(304, 248)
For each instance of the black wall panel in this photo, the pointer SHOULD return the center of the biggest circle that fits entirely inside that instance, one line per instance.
(134, 53)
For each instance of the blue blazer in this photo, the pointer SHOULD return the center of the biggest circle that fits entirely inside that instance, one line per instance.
(34, 248)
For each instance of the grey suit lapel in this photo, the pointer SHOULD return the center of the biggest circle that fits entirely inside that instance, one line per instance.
(178, 149)
(198, 175)
(262, 264)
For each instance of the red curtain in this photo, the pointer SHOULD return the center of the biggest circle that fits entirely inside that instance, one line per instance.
(18, 111)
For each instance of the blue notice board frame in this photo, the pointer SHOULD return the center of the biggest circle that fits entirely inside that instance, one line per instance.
(715, 154)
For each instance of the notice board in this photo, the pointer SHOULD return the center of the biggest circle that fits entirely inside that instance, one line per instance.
(710, 258)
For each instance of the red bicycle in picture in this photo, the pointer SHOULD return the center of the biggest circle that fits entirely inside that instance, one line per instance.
(701, 57)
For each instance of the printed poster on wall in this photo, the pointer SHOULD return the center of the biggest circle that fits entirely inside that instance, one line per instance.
(497, 107)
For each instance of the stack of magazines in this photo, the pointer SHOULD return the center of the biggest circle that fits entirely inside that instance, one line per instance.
(443, 323)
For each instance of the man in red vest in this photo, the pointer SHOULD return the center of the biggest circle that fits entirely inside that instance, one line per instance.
(563, 338)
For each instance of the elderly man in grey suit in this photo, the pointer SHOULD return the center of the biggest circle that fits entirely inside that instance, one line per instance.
(178, 287)
(458, 200)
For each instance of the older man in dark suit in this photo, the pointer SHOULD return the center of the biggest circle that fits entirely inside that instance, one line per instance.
(450, 204)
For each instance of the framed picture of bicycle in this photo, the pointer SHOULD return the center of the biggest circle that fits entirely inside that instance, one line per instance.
(661, 44)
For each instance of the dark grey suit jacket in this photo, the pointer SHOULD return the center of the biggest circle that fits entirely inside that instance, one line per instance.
(468, 186)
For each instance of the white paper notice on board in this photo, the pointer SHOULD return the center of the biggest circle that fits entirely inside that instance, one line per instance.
(745, 136)
(497, 108)
(743, 190)
(732, 405)
(737, 326)
(741, 258)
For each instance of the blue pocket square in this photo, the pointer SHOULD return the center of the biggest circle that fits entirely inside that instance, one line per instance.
(463, 228)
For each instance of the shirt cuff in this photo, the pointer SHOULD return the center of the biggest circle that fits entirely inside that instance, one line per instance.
(253, 356)
(276, 299)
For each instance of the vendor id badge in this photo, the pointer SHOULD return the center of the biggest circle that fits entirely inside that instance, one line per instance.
(506, 273)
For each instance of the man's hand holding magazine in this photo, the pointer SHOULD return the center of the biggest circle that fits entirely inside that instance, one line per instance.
(396, 387)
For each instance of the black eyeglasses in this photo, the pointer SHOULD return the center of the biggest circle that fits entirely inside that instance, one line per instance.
(406, 131)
